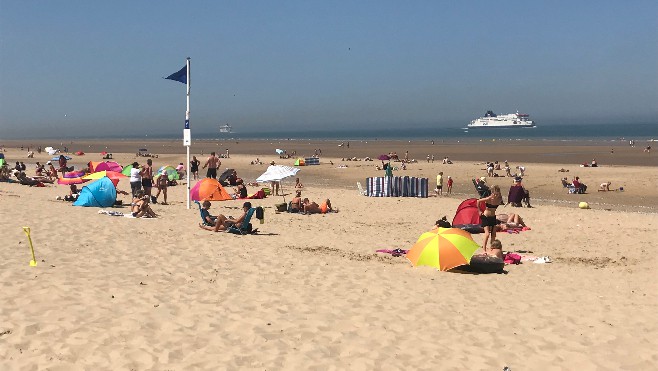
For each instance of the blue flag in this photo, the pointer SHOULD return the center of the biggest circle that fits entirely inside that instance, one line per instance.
(180, 76)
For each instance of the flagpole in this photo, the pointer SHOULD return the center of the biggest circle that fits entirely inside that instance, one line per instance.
(187, 133)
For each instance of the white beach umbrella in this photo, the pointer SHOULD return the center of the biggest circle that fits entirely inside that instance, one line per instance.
(275, 173)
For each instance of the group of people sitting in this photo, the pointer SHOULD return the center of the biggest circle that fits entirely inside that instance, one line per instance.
(221, 223)
(576, 186)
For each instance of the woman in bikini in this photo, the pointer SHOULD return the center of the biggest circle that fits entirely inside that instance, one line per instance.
(488, 217)
(140, 206)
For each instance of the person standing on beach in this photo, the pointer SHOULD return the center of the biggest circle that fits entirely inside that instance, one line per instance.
(147, 177)
(194, 167)
(212, 163)
(439, 184)
(449, 190)
(135, 179)
(488, 217)
(62, 165)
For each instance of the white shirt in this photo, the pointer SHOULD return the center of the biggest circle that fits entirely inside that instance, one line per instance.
(134, 175)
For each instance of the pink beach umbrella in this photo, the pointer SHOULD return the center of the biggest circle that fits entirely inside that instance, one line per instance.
(108, 166)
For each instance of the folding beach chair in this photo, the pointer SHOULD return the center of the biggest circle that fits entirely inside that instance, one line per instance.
(246, 227)
(361, 190)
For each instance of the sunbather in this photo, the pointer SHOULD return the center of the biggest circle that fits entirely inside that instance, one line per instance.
(311, 207)
(508, 221)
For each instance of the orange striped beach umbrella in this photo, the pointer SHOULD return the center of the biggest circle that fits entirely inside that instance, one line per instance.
(443, 248)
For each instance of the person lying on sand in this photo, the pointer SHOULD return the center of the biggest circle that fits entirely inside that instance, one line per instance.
(32, 181)
(508, 221)
(311, 207)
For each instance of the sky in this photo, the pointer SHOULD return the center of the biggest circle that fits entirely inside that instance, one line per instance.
(89, 67)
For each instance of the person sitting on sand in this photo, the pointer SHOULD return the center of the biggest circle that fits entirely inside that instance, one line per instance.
(496, 249)
(73, 193)
(296, 203)
(298, 183)
(52, 172)
(240, 191)
(140, 206)
(594, 164)
(311, 207)
(605, 187)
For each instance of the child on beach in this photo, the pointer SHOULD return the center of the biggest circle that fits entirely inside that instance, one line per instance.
(449, 190)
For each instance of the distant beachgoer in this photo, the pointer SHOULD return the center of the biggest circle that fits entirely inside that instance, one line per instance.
(648, 149)
(439, 184)
(194, 167)
(180, 169)
(449, 190)
(298, 184)
(594, 164)
(147, 178)
(605, 187)
(135, 179)
(162, 183)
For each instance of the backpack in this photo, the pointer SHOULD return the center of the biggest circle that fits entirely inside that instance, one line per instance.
(260, 213)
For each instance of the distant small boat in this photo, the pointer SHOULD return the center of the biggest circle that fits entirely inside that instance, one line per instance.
(226, 129)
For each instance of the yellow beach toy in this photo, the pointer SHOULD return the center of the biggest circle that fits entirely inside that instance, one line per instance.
(33, 262)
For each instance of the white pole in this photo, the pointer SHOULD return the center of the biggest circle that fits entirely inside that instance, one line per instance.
(187, 126)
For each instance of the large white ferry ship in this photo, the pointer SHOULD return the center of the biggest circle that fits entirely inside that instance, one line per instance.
(512, 120)
(226, 129)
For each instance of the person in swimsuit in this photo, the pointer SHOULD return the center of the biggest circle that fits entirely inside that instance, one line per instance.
(140, 206)
(212, 163)
(488, 217)
(296, 203)
(222, 222)
(194, 167)
(147, 177)
(311, 207)
(162, 183)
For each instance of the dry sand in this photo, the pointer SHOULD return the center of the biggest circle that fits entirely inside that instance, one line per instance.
(310, 292)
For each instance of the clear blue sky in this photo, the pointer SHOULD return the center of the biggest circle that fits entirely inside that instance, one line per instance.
(81, 66)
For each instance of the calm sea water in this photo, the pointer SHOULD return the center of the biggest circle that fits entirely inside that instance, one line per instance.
(638, 132)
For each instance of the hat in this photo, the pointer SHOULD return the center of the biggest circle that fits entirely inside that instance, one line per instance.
(49, 163)
(483, 179)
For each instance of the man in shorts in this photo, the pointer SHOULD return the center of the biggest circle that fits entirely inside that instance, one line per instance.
(212, 163)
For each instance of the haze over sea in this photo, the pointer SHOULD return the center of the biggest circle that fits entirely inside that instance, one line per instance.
(580, 133)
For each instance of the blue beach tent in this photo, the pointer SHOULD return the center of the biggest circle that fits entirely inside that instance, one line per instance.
(100, 193)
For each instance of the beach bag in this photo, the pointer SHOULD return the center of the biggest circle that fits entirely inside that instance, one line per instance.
(260, 213)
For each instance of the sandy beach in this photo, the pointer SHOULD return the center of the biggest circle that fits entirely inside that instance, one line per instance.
(310, 292)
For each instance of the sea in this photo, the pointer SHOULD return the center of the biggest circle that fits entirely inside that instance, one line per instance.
(581, 133)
